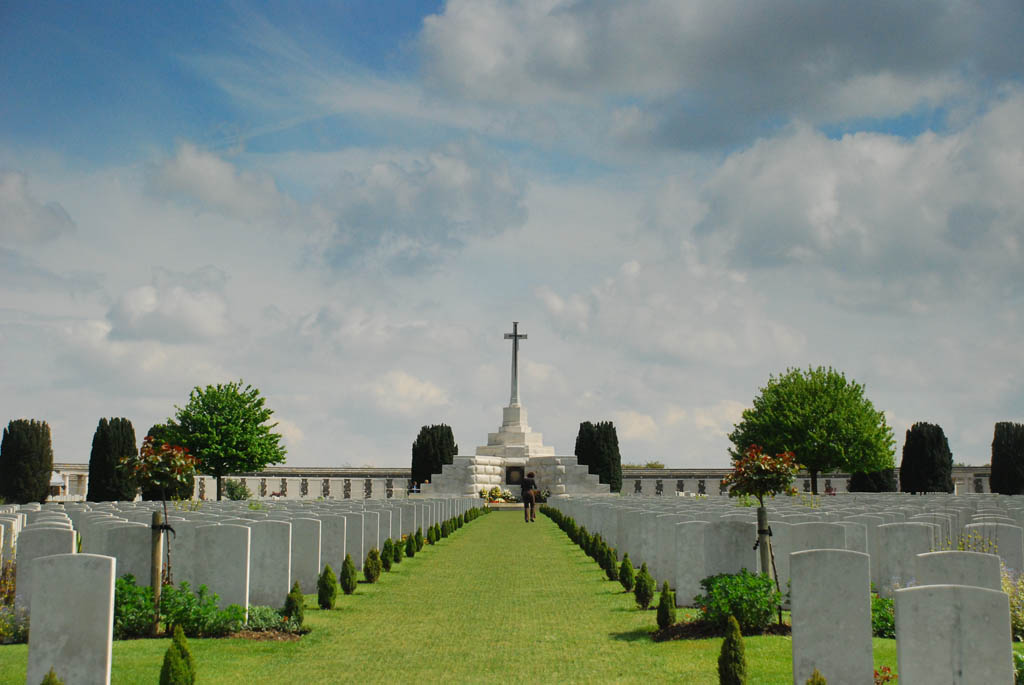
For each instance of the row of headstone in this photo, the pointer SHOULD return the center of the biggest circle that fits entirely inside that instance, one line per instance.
(311, 489)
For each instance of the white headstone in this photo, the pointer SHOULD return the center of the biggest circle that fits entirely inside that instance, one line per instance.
(34, 543)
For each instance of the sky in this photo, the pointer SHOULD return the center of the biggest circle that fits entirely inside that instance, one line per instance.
(347, 205)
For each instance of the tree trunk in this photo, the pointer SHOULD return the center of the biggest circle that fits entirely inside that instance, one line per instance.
(220, 489)
(814, 482)
(762, 540)
(156, 574)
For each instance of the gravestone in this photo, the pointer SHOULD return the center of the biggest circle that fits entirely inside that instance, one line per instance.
(270, 562)
(33, 544)
(72, 631)
(959, 568)
(1008, 541)
(222, 562)
(306, 567)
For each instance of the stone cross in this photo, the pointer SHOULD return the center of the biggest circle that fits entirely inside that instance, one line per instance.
(515, 336)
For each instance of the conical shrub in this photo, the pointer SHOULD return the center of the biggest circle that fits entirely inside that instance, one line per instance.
(51, 678)
(371, 566)
(643, 591)
(410, 546)
(178, 667)
(399, 551)
(611, 564)
(817, 679)
(295, 605)
(626, 575)
(666, 607)
(732, 660)
(437, 532)
(430, 536)
(418, 541)
(348, 579)
(387, 555)
(444, 529)
(327, 588)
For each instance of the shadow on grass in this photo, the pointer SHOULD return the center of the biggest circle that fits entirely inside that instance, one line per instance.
(632, 635)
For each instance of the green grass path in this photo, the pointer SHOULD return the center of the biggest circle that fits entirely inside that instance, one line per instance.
(498, 601)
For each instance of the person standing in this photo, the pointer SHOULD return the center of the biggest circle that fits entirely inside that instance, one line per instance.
(529, 497)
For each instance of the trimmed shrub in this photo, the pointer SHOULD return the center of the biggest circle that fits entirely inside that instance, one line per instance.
(626, 575)
(444, 529)
(387, 555)
(327, 588)
(295, 605)
(430, 536)
(611, 564)
(410, 546)
(732, 660)
(817, 679)
(348, 578)
(372, 567)
(51, 678)
(748, 597)
(179, 668)
(437, 532)
(666, 607)
(399, 551)
(418, 540)
(643, 591)
(461, 521)
(179, 641)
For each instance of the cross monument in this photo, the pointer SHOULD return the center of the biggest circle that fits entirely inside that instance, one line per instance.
(515, 336)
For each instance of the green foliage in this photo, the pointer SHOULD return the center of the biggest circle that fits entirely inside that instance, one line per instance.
(51, 678)
(597, 447)
(197, 614)
(748, 597)
(816, 678)
(418, 539)
(387, 555)
(927, 464)
(236, 490)
(611, 564)
(175, 671)
(643, 590)
(26, 462)
(348, 579)
(822, 418)
(133, 608)
(13, 625)
(399, 551)
(295, 605)
(226, 427)
(433, 448)
(113, 439)
(444, 529)
(883, 617)
(666, 607)
(874, 481)
(183, 489)
(760, 475)
(1007, 475)
(410, 545)
(732, 660)
(430, 536)
(179, 642)
(626, 575)
(372, 566)
(1018, 668)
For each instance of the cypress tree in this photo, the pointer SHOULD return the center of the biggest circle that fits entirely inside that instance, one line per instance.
(444, 529)
(626, 576)
(874, 481)
(643, 591)
(387, 555)
(179, 667)
(434, 447)
(666, 607)
(732, 660)
(327, 588)
(430, 536)
(26, 462)
(418, 539)
(1007, 475)
(399, 551)
(611, 564)
(114, 438)
(348, 579)
(927, 464)
(410, 545)
(597, 447)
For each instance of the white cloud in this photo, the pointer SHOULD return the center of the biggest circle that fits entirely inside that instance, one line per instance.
(403, 393)
(718, 419)
(178, 308)
(25, 220)
(634, 425)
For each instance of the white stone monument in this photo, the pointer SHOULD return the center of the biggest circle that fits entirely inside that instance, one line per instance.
(512, 452)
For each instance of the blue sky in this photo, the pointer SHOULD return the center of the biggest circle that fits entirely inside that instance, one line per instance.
(346, 204)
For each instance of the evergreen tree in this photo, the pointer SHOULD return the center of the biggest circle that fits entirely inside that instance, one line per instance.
(666, 607)
(597, 447)
(626, 576)
(927, 464)
(162, 434)
(410, 545)
(418, 539)
(1007, 475)
(26, 462)
(51, 678)
(387, 555)
(295, 605)
(372, 566)
(327, 588)
(113, 439)
(874, 481)
(430, 536)
(444, 529)
(643, 591)
(611, 564)
(399, 551)
(348, 579)
(816, 679)
(434, 447)
(732, 660)
(179, 667)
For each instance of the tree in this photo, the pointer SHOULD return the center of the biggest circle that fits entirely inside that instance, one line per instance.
(874, 481)
(26, 461)
(225, 427)
(1007, 476)
(327, 588)
(821, 417)
(348, 579)
(163, 434)
(434, 447)
(113, 439)
(732, 659)
(927, 464)
(597, 447)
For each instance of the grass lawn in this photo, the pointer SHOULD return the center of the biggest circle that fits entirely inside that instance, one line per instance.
(498, 601)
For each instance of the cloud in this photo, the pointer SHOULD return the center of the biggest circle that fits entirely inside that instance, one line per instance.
(23, 219)
(203, 178)
(634, 425)
(176, 308)
(718, 419)
(403, 393)
(291, 432)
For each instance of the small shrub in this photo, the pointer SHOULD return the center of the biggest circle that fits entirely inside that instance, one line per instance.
(611, 564)
(461, 521)
(1013, 586)
(626, 575)
(1018, 668)
(817, 679)
(410, 546)
(197, 614)
(235, 490)
(732, 660)
(399, 551)
(262, 619)
(51, 678)
(295, 605)
(444, 529)
(883, 617)
(418, 540)
(751, 598)
(643, 591)
(666, 607)
(387, 555)
(179, 667)
(430, 536)
(327, 588)
(13, 625)
(885, 675)
(348, 578)
(133, 608)
(437, 532)
(372, 566)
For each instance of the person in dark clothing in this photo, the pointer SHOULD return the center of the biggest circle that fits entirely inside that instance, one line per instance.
(529, 497)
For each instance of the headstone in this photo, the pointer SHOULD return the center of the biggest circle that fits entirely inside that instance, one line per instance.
(831, 613)
(72, 630)
(689, 563)
(728, 547)
(221, 562)
(898, 547)
(953, 634)
(1006, 540)
(306, 567)
(270, 562)
(959, 568)
(33, 544)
